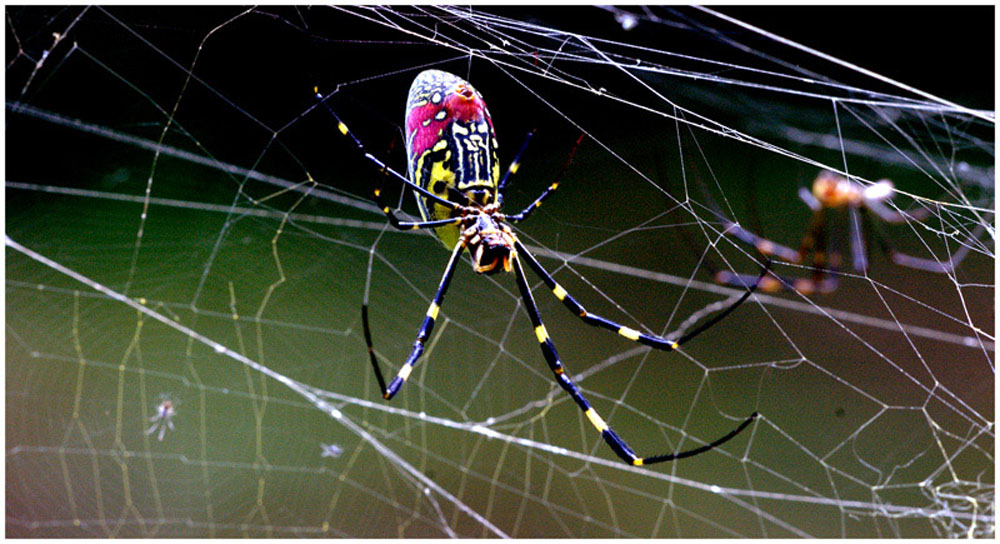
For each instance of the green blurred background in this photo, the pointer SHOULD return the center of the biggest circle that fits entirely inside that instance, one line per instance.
(865, 431)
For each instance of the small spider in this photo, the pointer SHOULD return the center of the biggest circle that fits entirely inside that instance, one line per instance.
(833, 192)
(330, 450)
(163, 419)
(454, 171)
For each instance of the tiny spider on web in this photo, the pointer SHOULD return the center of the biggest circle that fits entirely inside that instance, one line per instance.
(454, 171)
(330, 450)
(163, 419)
(865, 206)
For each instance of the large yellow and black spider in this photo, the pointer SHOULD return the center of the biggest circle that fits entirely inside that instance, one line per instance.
(454, 171)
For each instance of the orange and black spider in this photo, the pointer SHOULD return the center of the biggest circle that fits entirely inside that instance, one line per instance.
(832, 192)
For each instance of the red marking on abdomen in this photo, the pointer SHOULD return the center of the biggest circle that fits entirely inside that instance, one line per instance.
(423, 137)
(464, 105)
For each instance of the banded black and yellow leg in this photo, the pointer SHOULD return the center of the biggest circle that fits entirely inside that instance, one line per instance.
(382, 167)
(611, 438)
(515, 164)
(425, 330)
(412, 225)
(595, 320)
(523, 214)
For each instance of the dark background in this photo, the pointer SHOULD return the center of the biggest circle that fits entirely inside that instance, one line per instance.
(945, 51)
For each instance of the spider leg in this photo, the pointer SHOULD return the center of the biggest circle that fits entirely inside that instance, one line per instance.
(597, 321)
(615, 442)
(523, 214)
(806, 196)
(859, 253)
(765, 246)
(515, 164)
(929, 265)
(422, 334)
(382, 167)
(771, 283)
(815, 242)
(411, 225)
(889, 215)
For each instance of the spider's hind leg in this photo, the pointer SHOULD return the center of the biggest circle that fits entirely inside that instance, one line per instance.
(611, 438)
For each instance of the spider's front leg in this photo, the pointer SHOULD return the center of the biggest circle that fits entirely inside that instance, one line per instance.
(650, 340)
(389, 172)
(425, 330)
(523, 214)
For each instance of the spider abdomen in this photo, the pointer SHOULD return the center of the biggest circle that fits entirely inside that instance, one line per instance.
(451, 146)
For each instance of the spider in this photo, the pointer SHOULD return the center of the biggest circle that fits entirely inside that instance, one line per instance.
(832, 192)
(163, 419)
(454, 171)
(330, 450)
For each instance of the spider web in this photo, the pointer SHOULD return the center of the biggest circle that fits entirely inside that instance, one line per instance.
(184, 222)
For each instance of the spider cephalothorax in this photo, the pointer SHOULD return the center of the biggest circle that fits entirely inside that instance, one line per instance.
(490, 242)
(455, 175)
